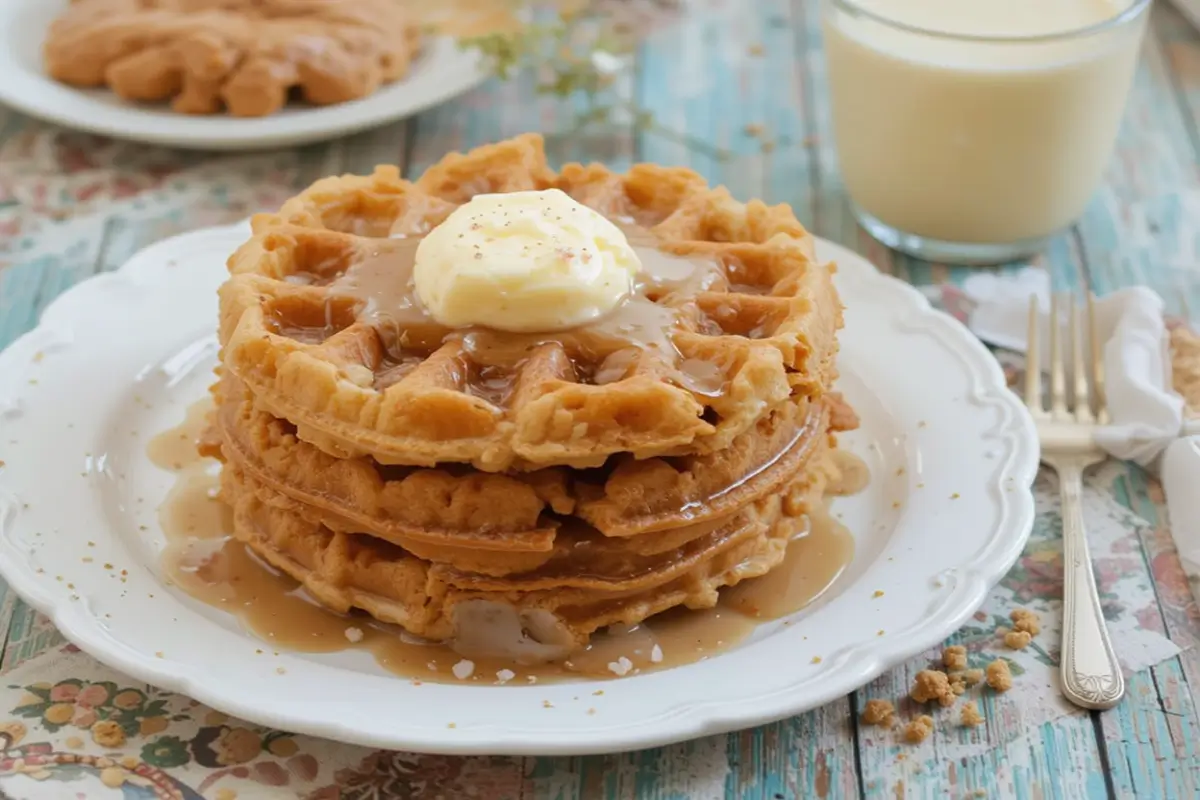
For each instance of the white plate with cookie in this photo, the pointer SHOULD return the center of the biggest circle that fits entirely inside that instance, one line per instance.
(120, 358)
(439, 71)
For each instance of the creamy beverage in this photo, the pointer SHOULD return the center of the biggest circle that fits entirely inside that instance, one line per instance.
(982, 125)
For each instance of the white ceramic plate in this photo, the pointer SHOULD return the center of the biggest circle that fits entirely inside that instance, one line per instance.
(119, 357)
(439, 73)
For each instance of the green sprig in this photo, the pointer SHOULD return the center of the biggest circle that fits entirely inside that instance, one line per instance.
(552, 51)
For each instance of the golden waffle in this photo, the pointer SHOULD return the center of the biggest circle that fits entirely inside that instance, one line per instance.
(756, 331)
(242, 55)
(499, 523)
(562, 601)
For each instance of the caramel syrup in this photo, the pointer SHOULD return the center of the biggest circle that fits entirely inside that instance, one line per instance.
(203, 559)
(380, 281)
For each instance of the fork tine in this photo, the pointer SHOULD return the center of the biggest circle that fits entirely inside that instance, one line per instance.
(1083, 403)
(1033, 369)
(1058, 376)
(1099, 392)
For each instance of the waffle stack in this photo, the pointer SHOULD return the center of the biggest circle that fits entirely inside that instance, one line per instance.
(551, 485)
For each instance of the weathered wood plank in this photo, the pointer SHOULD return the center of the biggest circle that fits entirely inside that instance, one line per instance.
(1150, 738)
(1153, 739)
(832, 217)
(731, 79)
(1181, 49)
(1155, 160)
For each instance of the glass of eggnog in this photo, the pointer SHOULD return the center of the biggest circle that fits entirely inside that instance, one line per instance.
(972, 131)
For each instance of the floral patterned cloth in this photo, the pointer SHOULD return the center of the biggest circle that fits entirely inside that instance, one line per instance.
(74, 729)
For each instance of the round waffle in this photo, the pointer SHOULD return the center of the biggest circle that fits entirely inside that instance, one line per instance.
(242, 55)
(499, 524)
(560, 602)
(757, 326)
(570, 480)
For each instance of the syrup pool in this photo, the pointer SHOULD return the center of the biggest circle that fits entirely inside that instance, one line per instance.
(204, 560)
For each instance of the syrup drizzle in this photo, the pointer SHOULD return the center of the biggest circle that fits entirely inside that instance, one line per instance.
(203, 559)
(380, 281)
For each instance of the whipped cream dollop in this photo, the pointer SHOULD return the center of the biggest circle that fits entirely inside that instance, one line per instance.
(526, 262)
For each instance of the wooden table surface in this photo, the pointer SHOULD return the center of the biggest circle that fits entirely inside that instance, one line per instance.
(734, 76)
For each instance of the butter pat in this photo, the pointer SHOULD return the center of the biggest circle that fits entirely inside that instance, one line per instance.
(524, 262)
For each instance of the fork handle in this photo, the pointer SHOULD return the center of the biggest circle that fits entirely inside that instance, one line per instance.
(1091, 675)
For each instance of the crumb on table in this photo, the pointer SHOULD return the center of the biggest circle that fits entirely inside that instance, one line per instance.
(958, 683)
(998, 675)
(1017, 640)
(970, 714)
(879, 712)
(972, 677)
(1026, 621)
(932, 684)
(954, 657)
(919, 729)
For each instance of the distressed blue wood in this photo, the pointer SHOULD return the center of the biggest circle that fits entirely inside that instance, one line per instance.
(1153, 740)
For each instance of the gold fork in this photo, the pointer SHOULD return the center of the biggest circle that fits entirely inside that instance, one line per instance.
(1091, 675)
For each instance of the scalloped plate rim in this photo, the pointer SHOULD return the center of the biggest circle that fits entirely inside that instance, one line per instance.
(859, 663)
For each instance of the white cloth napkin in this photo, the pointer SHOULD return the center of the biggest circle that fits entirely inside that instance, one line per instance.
(1147, 415)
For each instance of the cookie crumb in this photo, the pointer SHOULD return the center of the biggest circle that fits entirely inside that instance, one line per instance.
(955, 657)
(932, 684)
(970, 715)
(879, 712)
(972, 677)
(280, 670)
(998, 675)
(957, 684)
(878, 593)
(1026, 621)
(1017, 640)
(919, 729)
